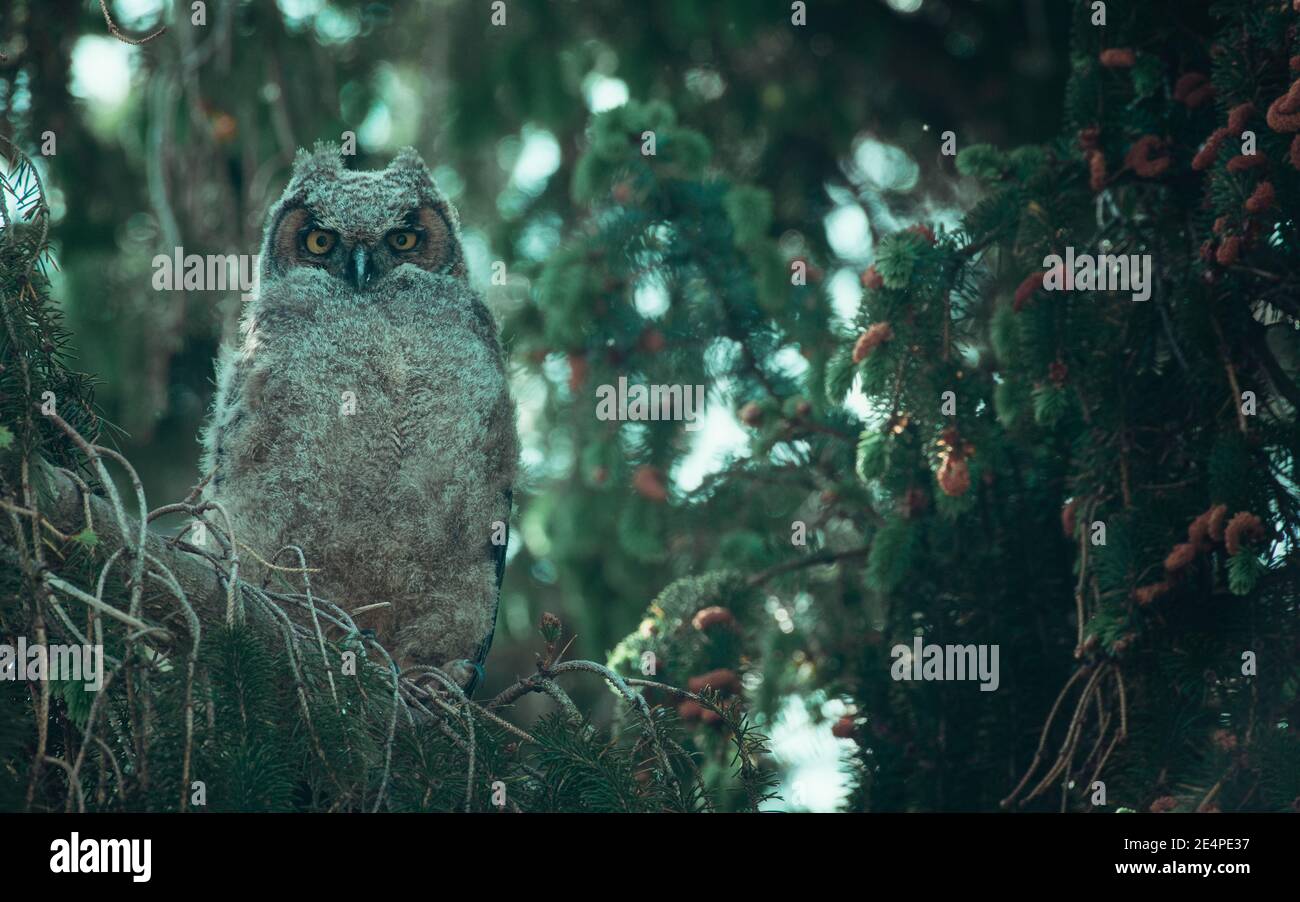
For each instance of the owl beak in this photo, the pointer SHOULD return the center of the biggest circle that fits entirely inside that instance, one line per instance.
(360, 267)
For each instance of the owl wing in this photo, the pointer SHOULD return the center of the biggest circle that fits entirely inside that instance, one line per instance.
(498, 556)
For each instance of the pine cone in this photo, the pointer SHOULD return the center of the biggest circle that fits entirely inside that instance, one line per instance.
(1148, 157)
(1229, 251)
(1245, 161)
(954, 475)
(1262, 200)
(924, 231)
(1284, 112)
(1193, 90)
(868, 341)
(649, 484)
(1025, 291)
(1217, 515)
(1206, 156)
(1182, 555)
(1118, 58)
(1096, 170)
(723, 681)
(1243, 527)
(1068, 514)
(1144, 595)
(1238, 116)
(872, 280)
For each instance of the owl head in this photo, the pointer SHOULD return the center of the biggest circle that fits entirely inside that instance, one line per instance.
(360, 225)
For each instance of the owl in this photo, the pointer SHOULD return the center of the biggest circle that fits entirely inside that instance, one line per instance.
(365, 414)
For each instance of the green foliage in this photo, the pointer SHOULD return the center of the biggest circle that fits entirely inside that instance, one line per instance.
(1127, 411)
(1244, 570)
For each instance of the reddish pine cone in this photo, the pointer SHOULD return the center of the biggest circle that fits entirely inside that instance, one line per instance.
(872, 280)
(689, 711)
(550, 627)
(1089, 137)
(1193, 90)
(954, 475)
(1284, 112)
(1144, 595)
(723, 681)
(1148, 157)
(1067, 518)
(751, 414)
(1262, 200)
(1025, 291)
(1238, 116)
(924, 231)
(715, 615)
(1224, 740)
(1217, 515)
(1243, 527)
(1118, 58)
(1229, 251)
(1198, 533)
(868, 341)
(649, 484)
(1242, 162)
(1182, 555)
(1096, 170)
(1206, 156)
(1164, 804)
(844, 728)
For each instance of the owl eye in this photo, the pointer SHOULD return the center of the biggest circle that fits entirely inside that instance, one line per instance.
(404, 240)
(320, 241)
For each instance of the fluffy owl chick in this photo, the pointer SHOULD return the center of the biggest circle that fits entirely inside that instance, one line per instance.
(366, 415)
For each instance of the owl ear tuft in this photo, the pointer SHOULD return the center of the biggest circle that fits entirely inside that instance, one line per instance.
(408, 163)
(325, 158)
(408, 158)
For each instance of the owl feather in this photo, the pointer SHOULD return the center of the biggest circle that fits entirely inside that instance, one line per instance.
(365, 414)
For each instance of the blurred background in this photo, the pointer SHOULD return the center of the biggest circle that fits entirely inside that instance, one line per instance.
(184, 140)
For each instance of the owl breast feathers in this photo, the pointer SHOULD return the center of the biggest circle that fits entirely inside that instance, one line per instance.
(366, 415)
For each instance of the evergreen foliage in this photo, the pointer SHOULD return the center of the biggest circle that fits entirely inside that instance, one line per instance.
(1097, 497)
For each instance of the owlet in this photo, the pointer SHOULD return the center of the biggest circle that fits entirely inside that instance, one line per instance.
(366, 416)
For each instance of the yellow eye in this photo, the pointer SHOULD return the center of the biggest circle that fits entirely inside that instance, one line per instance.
(320, 241)
(403, 241)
